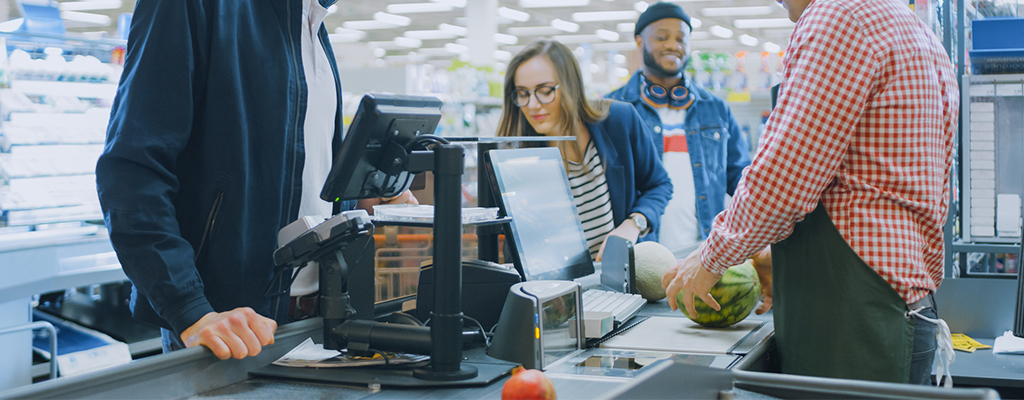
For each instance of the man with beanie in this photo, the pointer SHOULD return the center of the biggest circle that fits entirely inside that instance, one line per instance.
(701, 144)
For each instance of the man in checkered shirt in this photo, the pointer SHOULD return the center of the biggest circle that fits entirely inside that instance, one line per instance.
(850, 188)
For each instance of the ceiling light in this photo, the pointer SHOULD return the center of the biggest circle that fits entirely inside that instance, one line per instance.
(90, 18)
(619, 59)
(772, 47)
(409, 8)
(748, 40)
(700, 35)
(614, 46)
(367, 25)
(515, 15)
(453, 3)
(625, 27)
(392, 19)
(565, 26)
(567, 39)
(502, 38)
(408, 42)
(763, 23)
(735, 11)
(462, 41)
(533, 31)
(696, 23)
(346, 37)
(621, 72)
(502, 55)
(454, 29)
(594, 68)
(641, 6)
(608, 35)
(552, 3)
(332, 9)
(721, 31)
(379, 52)
(434, 51)
(714, 44)
(429, 34)
(90, 5)
(456, 48)
(605, 16)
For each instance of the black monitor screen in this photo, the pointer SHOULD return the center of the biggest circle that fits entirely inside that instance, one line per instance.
(546, 230)
(383, 126)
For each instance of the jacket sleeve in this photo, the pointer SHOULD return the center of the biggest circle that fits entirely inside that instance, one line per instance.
(653, 186)
(151, 120)
(738, 151)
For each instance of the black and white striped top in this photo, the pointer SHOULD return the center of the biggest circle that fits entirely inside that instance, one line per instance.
(590, 191)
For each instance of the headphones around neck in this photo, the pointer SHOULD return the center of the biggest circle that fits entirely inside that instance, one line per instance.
(677, 98)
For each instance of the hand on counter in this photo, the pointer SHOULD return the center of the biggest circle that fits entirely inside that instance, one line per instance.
(405, 198)
(627, 230)
(237, 333)
(763, 265)
(690, 277)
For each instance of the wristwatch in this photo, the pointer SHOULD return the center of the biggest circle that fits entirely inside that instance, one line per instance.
(641, 222)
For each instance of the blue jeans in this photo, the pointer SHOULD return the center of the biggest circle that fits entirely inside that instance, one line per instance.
(923, 356)
(170, 341)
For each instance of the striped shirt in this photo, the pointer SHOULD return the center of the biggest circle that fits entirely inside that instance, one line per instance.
(865, 123)
(590, 191)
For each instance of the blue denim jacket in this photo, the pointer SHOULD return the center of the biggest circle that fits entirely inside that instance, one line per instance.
(718, 148)
(204, 154)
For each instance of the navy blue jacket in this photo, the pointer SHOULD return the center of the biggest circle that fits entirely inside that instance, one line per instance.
(718, 149)
(637, 182)
(204, 154)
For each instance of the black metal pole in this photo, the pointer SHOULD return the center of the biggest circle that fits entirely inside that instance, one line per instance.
(446, 321)
(334, 300)
(487, 236)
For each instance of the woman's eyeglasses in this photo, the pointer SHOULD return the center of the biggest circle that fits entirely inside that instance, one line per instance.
(544, 94)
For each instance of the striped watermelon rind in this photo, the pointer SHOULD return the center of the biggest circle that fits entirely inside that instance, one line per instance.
(737, 292)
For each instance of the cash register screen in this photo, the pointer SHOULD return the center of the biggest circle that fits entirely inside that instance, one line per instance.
(546, 230)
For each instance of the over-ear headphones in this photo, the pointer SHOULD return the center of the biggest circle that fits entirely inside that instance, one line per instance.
(677, 98)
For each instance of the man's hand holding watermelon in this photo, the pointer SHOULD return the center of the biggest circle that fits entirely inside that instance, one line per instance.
(690, 277)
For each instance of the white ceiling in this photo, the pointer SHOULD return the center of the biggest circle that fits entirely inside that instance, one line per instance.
(707, 11)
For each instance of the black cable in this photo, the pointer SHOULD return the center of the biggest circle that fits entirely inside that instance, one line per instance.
(387, 361)
(487, 341)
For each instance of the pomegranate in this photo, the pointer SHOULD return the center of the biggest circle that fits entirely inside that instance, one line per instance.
(528, 384)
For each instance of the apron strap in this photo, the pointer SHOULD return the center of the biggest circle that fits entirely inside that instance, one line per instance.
(945, 347)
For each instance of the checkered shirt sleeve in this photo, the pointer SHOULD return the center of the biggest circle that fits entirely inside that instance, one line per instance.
(864, 123)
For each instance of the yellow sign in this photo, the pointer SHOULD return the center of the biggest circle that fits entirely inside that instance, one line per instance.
(965, 343)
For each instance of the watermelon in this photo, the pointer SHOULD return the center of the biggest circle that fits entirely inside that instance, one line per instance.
(737, 292)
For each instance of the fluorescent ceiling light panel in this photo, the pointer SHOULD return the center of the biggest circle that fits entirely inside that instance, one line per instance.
(453, 3)
(515, 15)
(567, 39)
(408, 42)
(608, 35)
(454, 29)
(552, 3)
(97, 19)
(721, 31)
(641, 6)
(429, 34)
(456, 48)
(90, 5)
(533, 31)
(367, 25)
(763, 23)
(462, 41)
(346, 37)
(434, 51)
(392, 19)
(388, 45)
(735, 11)
(718, 44)
(748, 40)
(411, 8)
(502, 55)
(379, 52)
(565, 26)
(614, 46)
(696, 22)
(772, 47)
(625, 27)
(605, 16)
(502, 38)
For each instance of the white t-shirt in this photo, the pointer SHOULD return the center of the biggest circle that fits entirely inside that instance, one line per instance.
(321, 112)
(680, 229)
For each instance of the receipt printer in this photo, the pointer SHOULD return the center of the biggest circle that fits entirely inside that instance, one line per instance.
(484, 287)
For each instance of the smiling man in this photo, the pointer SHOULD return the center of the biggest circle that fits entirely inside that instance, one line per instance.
(703, 148)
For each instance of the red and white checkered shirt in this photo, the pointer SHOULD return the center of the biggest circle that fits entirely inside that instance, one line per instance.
(865, 122)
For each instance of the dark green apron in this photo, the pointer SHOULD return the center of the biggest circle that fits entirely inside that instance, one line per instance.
(834, 315)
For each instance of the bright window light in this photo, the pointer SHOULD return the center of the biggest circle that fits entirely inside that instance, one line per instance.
(454, 29)
(392, 19)
(605, 16)
(87, 5)
(515, 15)
(410, 8)
(408, 42)
(608, 35)
(748, 40)
(502, 38)
(772, 47)
(565, 26)
(721, 31)
(763, 23)
(735, 11)
(552, 3)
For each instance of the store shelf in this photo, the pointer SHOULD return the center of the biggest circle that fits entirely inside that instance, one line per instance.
(76, 89)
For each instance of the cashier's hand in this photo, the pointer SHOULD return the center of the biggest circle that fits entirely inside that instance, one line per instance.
(237, 333)
(763, 265)
(690, 278)
(627, 230)
(405, 198)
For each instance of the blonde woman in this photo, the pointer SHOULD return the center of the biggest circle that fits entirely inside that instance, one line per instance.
(617, 179)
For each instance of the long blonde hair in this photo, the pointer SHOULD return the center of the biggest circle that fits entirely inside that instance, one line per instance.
(575, 108)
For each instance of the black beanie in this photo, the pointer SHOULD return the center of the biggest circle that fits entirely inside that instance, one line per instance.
(659, 11)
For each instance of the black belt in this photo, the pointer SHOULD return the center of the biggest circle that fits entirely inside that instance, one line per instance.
(925, 302)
